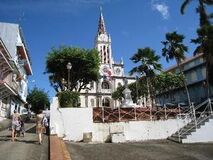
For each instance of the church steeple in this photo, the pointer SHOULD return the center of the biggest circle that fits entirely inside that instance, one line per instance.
(103, 42)
(101, 24)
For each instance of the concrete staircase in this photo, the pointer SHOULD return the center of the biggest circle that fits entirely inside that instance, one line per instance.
(188, 129)
(200, 129)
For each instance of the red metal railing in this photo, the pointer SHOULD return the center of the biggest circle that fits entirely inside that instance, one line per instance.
(133, 114)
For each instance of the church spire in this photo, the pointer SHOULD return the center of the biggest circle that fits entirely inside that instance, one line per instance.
(101, 24)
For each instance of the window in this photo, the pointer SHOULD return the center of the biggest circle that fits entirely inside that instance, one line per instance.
(105, 85)
(106, 102)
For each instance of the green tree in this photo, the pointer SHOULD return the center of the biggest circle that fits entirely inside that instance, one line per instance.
(205, 36)
(204, 17)
(117, 95)
(69, 99)
(149, 62)
(148, 65)
(85, 67)
(165, 83)
(38, 99)
(161, 83)
(175, 49)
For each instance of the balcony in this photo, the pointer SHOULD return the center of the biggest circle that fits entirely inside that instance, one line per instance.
(24, 57)
(6, 68)
(6, 90)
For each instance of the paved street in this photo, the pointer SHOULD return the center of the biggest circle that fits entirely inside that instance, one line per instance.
(150, 150)
(25, 148)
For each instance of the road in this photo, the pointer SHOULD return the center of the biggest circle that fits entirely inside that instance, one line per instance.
(149, 150)
(24, 148)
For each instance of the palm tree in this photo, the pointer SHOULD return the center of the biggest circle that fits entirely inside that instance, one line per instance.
(205, 41)
(175, 49)
(149, 64)
(205, 38)
(204, 18)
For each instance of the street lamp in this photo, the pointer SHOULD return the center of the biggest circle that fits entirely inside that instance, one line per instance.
(69, 66)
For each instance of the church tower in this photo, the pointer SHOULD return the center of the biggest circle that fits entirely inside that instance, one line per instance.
(112, 74)
(103, 42)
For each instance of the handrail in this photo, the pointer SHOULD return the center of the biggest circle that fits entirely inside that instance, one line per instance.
(199, 116)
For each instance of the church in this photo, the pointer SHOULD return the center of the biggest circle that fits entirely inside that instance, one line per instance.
(112, 73)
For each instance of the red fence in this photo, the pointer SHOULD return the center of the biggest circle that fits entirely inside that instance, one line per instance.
(133, 114)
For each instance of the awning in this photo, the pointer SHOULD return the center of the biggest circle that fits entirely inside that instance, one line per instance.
(6, 90)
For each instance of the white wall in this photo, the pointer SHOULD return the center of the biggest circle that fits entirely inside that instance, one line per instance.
(203, 134)
(71, 123)
(137, 130)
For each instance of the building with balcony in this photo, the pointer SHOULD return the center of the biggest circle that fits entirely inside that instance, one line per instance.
(194, 69)
(112, 73)
(15, 67)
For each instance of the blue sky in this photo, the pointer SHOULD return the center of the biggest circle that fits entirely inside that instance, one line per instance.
(132, 24)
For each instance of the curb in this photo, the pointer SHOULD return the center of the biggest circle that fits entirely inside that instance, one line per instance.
(58, 149)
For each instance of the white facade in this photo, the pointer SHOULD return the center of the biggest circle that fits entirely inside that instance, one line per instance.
(15, 67)
(112, 73)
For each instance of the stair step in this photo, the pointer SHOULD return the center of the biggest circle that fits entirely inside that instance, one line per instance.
(186, 130)
(181, 136)
(175, 139)
(202, 119)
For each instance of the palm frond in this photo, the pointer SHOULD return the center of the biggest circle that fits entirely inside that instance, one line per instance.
(183, 6)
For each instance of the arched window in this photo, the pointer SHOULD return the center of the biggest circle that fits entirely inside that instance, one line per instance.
(106, 102)
(105, 85)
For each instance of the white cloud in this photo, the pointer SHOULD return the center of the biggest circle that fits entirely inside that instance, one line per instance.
(163, 9)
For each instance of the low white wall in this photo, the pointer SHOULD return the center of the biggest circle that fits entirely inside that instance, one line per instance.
(71, 123)
(203, 134)
(138, 130)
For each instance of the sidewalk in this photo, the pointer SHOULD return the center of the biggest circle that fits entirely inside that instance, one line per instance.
(58, 149)
(5, 124)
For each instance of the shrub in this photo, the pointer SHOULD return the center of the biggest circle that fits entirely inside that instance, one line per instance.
(69, 99)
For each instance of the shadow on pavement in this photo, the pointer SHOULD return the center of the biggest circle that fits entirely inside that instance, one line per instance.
(31, 130)
(27, 141)
(5, 139)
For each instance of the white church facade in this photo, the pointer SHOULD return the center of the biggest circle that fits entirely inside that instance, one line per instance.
(112, 73)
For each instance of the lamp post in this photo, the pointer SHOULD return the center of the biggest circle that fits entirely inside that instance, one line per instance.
(69, 66)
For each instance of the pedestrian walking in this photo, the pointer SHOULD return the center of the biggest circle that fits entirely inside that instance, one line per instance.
(18, 128)
(39, 126)
(22, 131)
(46, 124)
(15, 124)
